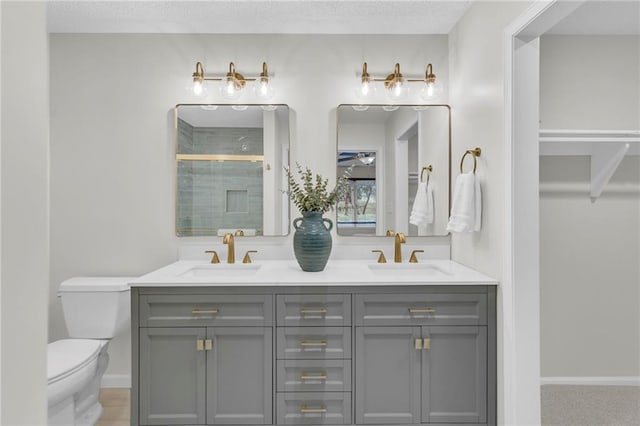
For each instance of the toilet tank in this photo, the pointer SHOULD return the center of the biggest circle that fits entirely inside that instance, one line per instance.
(96, 307)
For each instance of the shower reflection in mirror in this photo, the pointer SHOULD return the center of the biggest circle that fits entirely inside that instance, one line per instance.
(230, 163)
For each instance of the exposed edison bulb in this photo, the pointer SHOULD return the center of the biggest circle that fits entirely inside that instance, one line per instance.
(431, 89)
(398, 91)
(366, 90)
(432, 86)
(263, 89)
(197, 87)
(228, 89)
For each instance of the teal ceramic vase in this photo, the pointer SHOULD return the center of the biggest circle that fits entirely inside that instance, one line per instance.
(312, 241)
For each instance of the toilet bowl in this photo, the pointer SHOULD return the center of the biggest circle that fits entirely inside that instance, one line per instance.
(95, 309)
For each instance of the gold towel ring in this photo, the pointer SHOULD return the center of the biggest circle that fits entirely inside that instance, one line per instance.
(474, 153)
(428, 169)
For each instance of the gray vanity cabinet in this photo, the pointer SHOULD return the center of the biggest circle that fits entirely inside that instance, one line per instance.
(313, 350)
(409, 371)
(172, 376)
(215, 366)
(314, 355)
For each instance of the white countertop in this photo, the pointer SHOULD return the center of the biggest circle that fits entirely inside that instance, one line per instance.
(288, 273)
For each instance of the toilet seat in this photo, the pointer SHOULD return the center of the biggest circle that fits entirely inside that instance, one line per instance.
(68, 356)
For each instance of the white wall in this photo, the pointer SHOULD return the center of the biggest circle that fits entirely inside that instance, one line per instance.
(112, 143)
(434, 128)
(590, 276)
(25, 212)
(589, 82)
(476, 61)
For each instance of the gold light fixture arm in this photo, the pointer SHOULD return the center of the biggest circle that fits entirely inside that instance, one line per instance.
(199, 74)
(365, 77)
(429, 76)
(392, 79)
(238, 79)
(264, 75)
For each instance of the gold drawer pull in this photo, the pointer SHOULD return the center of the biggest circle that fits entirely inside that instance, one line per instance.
(306, 409)
(196, 311)
(208, 344)
(307, 376)
(199, 345)
(313, 343)
(422, 311)
(312, 311)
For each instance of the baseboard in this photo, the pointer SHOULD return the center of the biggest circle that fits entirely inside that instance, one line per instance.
(593, 381)
(116, 381)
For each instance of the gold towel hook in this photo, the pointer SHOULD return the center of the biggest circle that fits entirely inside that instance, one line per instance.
(474, 153)
(428, 169)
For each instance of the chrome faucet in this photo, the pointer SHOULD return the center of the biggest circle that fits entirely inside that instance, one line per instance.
(231, 255)
(400, 238)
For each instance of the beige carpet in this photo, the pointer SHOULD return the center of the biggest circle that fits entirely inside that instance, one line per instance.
(565, 405)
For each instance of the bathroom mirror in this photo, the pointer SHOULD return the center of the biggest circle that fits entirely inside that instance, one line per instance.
(230, 163)
(390, 150)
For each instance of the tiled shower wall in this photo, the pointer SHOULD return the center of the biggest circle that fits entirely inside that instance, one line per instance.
(213, 194)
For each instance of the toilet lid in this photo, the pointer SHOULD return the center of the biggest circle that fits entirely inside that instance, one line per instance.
(68, 355)
(93, 284)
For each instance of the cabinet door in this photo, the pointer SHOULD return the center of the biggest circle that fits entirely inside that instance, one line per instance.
(454, 371)
(387, 381)
(239, 375)
(172, 376)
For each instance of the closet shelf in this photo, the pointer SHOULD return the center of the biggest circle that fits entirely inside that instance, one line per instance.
(606, 148)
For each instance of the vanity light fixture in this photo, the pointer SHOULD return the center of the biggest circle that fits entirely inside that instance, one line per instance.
(233, 83)
(397, 85)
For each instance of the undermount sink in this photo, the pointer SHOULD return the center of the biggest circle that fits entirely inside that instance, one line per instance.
(407, 268)
(222, 270)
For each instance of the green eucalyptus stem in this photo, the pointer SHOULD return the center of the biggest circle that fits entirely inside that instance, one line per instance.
(312, 194)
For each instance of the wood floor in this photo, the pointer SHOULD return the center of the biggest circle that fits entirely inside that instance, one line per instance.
(115, 407)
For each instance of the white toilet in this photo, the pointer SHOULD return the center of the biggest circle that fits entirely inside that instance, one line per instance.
(95, 310)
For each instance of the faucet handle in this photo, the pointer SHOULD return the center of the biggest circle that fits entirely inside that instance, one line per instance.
(246, 258)
(381, 258)
(391, 233)
(214, 258)
(239, 233)
(413, 258)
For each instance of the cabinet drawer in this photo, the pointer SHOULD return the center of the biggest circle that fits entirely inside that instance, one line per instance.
(316, 375)
(314, 343)
(206, 310)
(313, 309)
(421, 309)
(314, 408)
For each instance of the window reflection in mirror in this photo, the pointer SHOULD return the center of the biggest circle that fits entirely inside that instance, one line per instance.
(388, 148)
(230, 163)
(357, 210)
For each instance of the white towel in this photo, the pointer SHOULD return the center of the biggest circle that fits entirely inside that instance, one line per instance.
(422, 211)
(466, 210)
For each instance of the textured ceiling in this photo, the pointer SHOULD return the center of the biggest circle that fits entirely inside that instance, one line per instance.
(256, 16)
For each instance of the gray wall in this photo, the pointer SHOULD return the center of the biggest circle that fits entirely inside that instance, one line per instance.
(112, 142)
(589, 252)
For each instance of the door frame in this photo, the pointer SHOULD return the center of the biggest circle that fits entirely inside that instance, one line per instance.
(521, 284)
